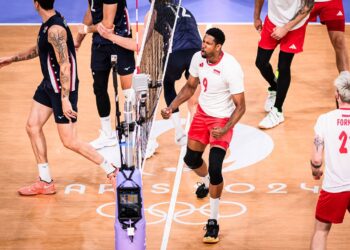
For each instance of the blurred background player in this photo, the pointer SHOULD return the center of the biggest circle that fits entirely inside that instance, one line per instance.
(113, 15)
(332, 136)
(221, 105)
(285, 24)
(186, 43)
(331, 13)
(57, 94)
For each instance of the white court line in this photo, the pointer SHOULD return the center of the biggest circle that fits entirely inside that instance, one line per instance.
(171, 210)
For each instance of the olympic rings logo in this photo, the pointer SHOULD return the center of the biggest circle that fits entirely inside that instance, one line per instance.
(179, 216)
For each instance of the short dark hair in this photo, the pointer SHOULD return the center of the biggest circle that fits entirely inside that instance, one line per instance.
(46, 4)
(218, 35)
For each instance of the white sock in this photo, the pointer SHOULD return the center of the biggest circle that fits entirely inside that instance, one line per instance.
(44, 172)
(175, 117)
(107, 167)
(206, 180)
(214, 208)
(106, 125)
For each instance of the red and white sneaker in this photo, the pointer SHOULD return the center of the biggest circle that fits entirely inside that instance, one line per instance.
(39, 187)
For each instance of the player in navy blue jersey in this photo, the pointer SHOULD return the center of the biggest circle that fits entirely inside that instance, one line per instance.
(113, 15)
(186, 43)
(57, 94)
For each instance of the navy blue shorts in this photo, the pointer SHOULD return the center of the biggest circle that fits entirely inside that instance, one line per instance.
(101, 58)
(49, 98)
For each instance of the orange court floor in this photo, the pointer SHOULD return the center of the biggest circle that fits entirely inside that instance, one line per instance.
(269, 195)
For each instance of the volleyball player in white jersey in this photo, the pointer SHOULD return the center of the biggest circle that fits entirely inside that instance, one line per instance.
(221, 105)
(332, 135)
(285, 24)
(331, 14)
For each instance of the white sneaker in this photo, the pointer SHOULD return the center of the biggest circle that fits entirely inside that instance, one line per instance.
(272, 119)
(270, 100)
(151, 148)
(105, 140)
(180, 139)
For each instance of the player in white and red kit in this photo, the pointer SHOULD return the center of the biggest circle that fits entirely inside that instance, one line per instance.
(285, 24)
(331, 14)
(332, 136)
(221, 105)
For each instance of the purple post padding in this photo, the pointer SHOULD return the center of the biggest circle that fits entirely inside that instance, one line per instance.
(122, 240)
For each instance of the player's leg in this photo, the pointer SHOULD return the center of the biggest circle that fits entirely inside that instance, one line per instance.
(290, 44)
(266, 46)
(39, 114)
(341, 54)
(101, 66)
(194, 161)
(319, 237)
(175, 68)
(198, 138)
(67, 131)
(330, 209)
(216, 159)
(284, 78)
(332, 15)
(275, 116)
(126, 68)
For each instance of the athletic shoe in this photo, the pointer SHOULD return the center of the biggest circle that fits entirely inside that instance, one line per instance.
(270, 100)
(272, 119)
(104, 140)
(39, 187)
(180, 139)
(202, 191)
(151, 148)
(212, 228)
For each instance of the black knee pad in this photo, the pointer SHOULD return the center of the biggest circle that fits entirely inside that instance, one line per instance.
(216, 159)
(193, 159)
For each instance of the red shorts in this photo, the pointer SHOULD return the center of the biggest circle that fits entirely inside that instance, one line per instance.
(331, 207)
(201, 126)
(291, 43)
(331, 13)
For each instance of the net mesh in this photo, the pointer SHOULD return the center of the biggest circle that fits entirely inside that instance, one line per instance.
(154, 52)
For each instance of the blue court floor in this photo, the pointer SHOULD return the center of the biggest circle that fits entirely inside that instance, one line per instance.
(205, 11)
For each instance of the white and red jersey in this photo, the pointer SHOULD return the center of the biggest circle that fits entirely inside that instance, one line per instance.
(218, 83)
(280, 12)
(320, 1)
(334, 128)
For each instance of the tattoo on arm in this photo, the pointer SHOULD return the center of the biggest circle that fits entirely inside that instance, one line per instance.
(58, 39)
(32, 53)
(318, 142)
(306, 7)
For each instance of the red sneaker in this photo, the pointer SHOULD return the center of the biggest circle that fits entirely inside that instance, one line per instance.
(39, 187)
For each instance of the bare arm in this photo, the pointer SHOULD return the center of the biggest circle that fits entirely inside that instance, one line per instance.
(316, 157)
(185, 93)
(87, 22)
(125, 42)
(257, 11)
(109, 11)
(239, 101)
(25, 55)
(57, 37)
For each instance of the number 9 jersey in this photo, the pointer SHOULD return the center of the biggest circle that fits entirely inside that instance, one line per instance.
(334, 128)
(219, 82)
